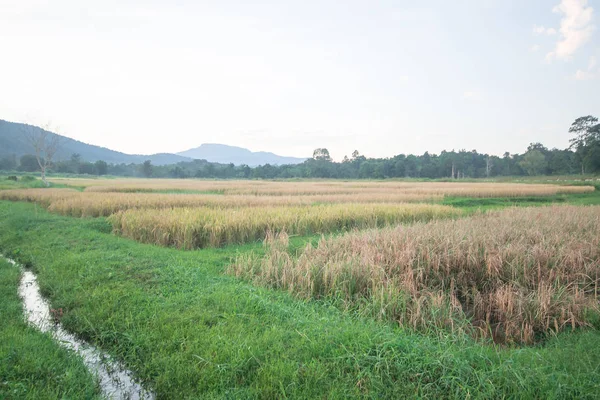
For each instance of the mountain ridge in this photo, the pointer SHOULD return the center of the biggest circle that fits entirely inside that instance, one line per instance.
(13, 142)
(222, 153)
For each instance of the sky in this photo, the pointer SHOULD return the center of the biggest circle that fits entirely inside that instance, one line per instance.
(380, 77)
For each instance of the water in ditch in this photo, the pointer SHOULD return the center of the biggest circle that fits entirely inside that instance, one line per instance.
(116, 382)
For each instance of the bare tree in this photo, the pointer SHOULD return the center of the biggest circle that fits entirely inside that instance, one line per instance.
(45, 145)
(488, 166)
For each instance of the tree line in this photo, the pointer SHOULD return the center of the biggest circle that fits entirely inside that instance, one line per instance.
(583, 156)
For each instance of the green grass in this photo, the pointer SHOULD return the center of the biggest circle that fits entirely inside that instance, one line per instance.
(34, 183)
(32, 365)
(10, 184)
(190, 331)
(471, 204)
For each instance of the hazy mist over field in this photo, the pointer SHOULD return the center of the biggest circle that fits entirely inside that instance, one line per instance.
(288, 76)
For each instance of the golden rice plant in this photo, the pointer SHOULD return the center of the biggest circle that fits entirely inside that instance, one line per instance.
(326, 188)
(92, 204)
(198, 227)
(106, 197)
(510, 275)
(44, 197)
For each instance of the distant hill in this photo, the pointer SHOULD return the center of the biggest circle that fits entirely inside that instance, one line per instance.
(220, 153)
(13, 141)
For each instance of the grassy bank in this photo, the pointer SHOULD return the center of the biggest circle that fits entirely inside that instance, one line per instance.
(32, 365)
(189, 331)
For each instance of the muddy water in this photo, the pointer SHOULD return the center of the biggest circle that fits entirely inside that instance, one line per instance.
(116, 382)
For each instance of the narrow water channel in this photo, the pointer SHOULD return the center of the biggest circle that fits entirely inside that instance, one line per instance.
(116, 382)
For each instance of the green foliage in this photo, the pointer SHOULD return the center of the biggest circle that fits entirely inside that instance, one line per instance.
(147, 168)
(534, 162)
(28, 163)
(101, 167)
(8, 163)
(321, 155)
(586, 142)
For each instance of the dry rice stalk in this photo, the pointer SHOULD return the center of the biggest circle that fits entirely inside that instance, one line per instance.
(513, 274)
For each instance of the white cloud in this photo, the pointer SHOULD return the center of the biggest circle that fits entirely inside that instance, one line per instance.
(534, 48)
(576, 28)
(540, 30)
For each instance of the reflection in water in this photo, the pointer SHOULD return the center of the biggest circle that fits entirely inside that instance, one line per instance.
(116, 382)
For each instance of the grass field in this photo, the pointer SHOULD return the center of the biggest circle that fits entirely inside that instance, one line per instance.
(32, 366)
(400, 311)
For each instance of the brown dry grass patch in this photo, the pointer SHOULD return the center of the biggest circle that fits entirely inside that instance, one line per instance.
(511, 275)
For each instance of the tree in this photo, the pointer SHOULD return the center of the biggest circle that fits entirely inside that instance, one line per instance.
(147, 168)
(177, 172)
(45, 145)
(246, 170)
(537, 146)
(488, 166)
(534, 162)
(321, 155)
(75, 162)
(86, 168)
(28, 163)
(587, 138)
(8, 163)
(101, 167)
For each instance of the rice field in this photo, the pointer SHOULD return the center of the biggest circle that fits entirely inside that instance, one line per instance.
(94, 204)
(311, 188)
(512, 275)
(193, 214)
(190, 228)
(106, 197)
(384, 289)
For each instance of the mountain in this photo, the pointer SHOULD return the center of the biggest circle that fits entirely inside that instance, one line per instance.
(13, 141)
(221, 153)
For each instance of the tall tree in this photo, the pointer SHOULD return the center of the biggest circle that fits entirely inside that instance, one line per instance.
(8, 163)
(534, 162)
(28, 163)
(321, 154)
(101, 167)
(45, 144)
(587, 138)
(147, 168)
